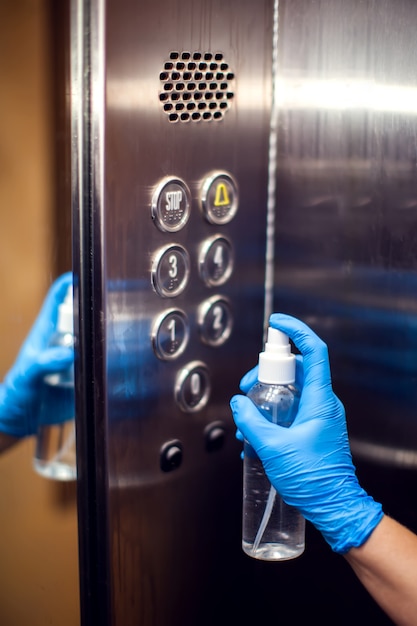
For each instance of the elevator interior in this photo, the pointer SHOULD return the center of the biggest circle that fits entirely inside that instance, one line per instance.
(176, 147)
(344, 262)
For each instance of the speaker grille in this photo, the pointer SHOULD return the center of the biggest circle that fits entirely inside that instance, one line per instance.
(196, 87)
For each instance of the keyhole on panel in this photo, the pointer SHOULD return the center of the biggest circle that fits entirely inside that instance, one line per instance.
(173, 261)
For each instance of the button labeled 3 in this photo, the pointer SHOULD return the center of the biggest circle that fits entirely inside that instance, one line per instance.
(170, 271)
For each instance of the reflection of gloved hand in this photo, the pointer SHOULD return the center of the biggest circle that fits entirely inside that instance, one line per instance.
(20, 392)
(310, 463)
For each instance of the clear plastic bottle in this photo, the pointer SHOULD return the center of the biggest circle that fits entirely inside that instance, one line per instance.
(272, 530)
(55, 452)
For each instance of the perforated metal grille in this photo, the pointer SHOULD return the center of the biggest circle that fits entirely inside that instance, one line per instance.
(196, 87)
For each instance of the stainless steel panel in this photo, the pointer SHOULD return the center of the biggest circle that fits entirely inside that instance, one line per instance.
(346, 206)
(170, 540)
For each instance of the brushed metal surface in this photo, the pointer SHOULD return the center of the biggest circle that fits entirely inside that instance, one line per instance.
(171, 540)
(346, 204)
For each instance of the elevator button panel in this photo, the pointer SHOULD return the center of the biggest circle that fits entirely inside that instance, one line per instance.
(216, 260)
(192, 387)
(219, 198)
(171, 204)
(170, 270)
(170, 334)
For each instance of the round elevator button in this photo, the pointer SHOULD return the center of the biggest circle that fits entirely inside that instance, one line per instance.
(215, 320)
(214, 436)
(216, 260)
(170, 270)
(170, 334)
(171, 455)
(192, 387)
(219, 198)
(171, 202)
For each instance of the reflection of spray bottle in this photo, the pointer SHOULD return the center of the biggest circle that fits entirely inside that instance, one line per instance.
(272, 530)
(55, 444)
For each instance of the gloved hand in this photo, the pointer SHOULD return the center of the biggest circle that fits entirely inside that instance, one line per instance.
(310, 463)
(20, 393)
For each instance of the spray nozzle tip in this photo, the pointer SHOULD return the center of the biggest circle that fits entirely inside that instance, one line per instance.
(276, 363)
(277, 337)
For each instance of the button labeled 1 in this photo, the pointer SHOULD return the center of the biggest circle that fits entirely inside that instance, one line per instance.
(215, 320)
(170, 334)
(192, 387)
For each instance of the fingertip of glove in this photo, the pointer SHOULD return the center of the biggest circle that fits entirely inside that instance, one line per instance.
(242, 410)
(276, 317)
(64, 278)
(62, 283)
(233, 403)
(249, 379)
(236, 402)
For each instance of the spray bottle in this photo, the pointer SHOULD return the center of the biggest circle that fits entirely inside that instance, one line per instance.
(272, 530)
(55, 452)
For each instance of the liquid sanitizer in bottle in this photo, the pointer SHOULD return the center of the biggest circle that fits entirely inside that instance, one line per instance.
(55, 452)
(272, 530)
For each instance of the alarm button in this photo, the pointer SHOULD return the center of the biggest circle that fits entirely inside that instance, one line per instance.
(219, 198)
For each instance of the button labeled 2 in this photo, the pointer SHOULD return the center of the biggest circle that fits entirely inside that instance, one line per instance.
(215, 320)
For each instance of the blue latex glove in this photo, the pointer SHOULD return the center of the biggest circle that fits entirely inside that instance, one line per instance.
(20, 393)
(310, 463)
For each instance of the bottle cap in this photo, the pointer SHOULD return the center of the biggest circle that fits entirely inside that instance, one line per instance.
(276, 363)
(65, 322)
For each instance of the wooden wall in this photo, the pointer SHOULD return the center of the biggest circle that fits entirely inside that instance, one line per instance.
(38, 525)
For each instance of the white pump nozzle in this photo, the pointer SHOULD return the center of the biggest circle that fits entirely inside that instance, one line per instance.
(276, 363)
(65, 322)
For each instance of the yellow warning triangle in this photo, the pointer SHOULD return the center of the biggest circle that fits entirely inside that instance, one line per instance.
(222, 195)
